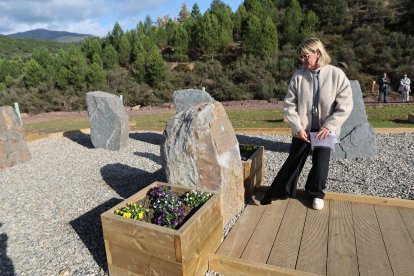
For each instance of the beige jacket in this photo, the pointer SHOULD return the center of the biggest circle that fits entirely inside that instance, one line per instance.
(335, 100)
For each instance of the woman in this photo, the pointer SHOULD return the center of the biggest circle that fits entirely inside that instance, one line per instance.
(319, 99)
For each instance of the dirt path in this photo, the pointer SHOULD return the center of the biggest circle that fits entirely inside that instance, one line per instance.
(166, 108)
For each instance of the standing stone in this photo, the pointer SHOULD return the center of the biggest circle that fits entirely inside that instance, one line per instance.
(108, 121)
(357, 135)
(184, 99)
(201, 151)
(13, 148)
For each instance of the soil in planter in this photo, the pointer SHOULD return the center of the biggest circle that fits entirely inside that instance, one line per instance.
(246, 150)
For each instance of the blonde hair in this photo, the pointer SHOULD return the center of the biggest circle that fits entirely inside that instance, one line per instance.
(314, 45)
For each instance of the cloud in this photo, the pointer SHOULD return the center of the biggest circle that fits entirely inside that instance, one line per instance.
(84, 16)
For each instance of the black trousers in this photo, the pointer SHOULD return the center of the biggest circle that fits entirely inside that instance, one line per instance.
(285, 182)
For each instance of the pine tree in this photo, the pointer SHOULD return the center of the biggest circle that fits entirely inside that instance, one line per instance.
(209, 41)
(309, 25)
(180, 42)
(184, 14)
(270, 39)
(116, 35)
(253, 36)
(195, 11)
(291, 23)
(33, 73)
(154, 66)
(109, 57)
(124, 52)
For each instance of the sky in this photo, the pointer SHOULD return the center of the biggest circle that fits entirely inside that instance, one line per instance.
(94, 17)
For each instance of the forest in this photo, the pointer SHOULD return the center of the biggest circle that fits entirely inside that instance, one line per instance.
(245, 54)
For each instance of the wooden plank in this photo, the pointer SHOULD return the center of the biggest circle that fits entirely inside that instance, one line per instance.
(372, 255)
(314, 246)
(396, 202)
(147, 237)
(260, 244)
(370, 199)
(197, 263)
(398, 242)
(286, 247)
(235, 242)
(141, 263)
(117, 271)
(408, 218)
(342, 256)
(200, 225)
(232, 266)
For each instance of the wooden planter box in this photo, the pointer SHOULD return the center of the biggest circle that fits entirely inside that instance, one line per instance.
(141, 248)
(253, 172)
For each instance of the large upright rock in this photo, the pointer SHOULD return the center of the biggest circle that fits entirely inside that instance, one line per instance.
(357, 135)
(108, 121)
(13, 148)
(184, 99)
(201, 151)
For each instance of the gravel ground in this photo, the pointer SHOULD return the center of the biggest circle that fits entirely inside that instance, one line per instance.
(50, 206)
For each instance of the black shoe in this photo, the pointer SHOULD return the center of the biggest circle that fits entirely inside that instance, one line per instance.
(265, 200)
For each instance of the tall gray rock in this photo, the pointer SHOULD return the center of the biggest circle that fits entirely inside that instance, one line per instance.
(357, 135)
(13, 148)
(108, 121)
(184, 99)
(201, 151)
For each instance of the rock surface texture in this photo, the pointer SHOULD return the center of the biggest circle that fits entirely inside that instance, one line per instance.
(13, 148)
(108, 121)
(193, 157)
(357, 135)
(184, 99)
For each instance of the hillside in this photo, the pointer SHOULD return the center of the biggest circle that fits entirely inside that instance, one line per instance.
(43, 34)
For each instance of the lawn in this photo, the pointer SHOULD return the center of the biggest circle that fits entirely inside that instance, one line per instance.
(390, 116)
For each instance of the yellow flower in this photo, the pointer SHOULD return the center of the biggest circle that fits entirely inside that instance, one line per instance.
(127, 215)
(140, 215)
(116, 211)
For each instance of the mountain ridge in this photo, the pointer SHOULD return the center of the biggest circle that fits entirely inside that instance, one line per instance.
(44, 34)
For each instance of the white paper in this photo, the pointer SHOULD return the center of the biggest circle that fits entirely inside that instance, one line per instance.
(328, 142)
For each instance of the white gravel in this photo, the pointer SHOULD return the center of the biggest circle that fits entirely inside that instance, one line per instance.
(50, 206)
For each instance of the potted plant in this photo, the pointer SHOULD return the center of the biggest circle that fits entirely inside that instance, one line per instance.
(253, 169)
(143, 239)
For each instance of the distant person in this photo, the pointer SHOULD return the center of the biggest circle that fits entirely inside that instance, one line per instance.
(318, 99)
(405, 88)
(384, 84)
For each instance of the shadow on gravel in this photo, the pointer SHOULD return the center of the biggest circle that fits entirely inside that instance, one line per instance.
(148, 137)
(126, 180)
(89, 229)
(268, 145)
(80, 138)
(153, 157)
(6, 265)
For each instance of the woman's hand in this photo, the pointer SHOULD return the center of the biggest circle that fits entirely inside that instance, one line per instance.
(322, 133)
(303, 136)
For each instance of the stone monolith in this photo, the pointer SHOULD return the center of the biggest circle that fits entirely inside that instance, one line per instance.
(357, 135)
(184, 99)
(13, 148)
(108, 121)
(201, 151)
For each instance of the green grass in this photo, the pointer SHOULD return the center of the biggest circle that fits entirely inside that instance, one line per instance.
(378, 116)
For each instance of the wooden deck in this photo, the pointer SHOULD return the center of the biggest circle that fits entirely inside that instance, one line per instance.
(352, 235)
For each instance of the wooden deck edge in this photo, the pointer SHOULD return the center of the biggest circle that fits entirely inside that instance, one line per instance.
(394, 202)
(233, 266)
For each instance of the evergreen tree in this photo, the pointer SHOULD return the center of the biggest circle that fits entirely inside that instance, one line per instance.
(124, 52)
(209, 41)
(33, 73)
(148, 25)
(91, 46)
(291, 23)
(334, 15)
(223, 14)
(154, 67)
(270, 39)
(195, 11)
(180, 42)
(95, 75)
(109, 57)
(184, 14)
(239, 22)
(253, 36)
(309, 25)
(116, 35)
